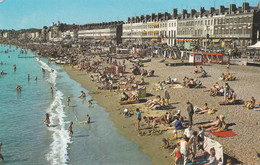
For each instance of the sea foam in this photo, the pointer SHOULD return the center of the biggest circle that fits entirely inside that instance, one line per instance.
(58, 153)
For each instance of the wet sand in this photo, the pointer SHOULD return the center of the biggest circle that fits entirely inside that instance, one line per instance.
(245, 123)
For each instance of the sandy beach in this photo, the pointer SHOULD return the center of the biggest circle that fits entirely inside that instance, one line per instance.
(242, 148)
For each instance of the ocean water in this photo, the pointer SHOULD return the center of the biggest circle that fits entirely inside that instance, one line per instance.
(26, 140)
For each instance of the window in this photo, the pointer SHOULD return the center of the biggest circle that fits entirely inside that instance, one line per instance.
(208, 22)
(240, 31)
(216, 31)
(230, 31)
(211, 22)
(249, 31)
(226, 31)
(231, 20)
(234, 31)
(227, 21)
(249, 19)
(245, 30)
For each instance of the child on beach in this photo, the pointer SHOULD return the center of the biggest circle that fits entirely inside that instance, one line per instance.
(1, 156)
(139, 118)
(177, 153)
(70, 129)
(166, 144)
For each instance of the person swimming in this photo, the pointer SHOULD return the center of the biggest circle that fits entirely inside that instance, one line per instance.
(35, 78)
(18, 88)
(90, 101)
(87, 121)
(47, 119)
(83, 94)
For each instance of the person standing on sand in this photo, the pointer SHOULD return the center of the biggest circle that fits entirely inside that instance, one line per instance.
(35, 78)
(1, 156)
(190, 111)
(139, 118)
(70, 129)
(51, 92)
(184, 150)
(167, 96)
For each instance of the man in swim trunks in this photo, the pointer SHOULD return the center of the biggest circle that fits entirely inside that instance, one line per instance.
(70, 129)
(51, 92)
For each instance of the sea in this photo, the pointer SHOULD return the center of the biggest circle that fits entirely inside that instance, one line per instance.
(27, 140)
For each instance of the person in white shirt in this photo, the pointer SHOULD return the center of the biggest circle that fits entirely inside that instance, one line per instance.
(188, 131)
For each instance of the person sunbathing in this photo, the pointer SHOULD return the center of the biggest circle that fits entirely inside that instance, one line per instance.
(204, 109)
(221, 127)
(158, 104)
(215, 123)
(155, 100)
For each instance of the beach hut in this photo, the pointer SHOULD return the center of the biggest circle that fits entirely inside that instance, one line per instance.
(216, 58)
(195, 58)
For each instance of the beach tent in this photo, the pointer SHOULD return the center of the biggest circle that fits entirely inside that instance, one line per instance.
(255, 46)
(210, 143)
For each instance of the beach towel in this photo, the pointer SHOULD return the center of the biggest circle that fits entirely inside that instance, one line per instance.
(228, 133)
(257, 108)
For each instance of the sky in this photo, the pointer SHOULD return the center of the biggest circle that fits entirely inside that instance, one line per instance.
(24, 14)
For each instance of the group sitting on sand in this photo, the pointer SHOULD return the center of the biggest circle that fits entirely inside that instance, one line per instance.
(155, 103)
(218, 125)
(227, 77)
(191, 83)
(216, 90)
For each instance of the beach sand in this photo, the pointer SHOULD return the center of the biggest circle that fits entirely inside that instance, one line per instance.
(243, 147)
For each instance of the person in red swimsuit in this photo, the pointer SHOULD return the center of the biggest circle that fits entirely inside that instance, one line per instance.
(177, 153)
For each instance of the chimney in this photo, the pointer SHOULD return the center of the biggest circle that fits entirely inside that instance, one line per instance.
(202, 10)
(211, 10)
(142, 17)
(137, 19)
(153, 16)
(165, 15)
(192, 12)
(232, 8)
(221, 9)
(128, 20)
(174, 12)
(184, 13)
(159, 16)
(245, 6)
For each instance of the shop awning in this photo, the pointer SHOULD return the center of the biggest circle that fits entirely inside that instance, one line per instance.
(215, 40)
(154, 39)
(227, 40)
(155, 24)
(144, 32)
(155, 32)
